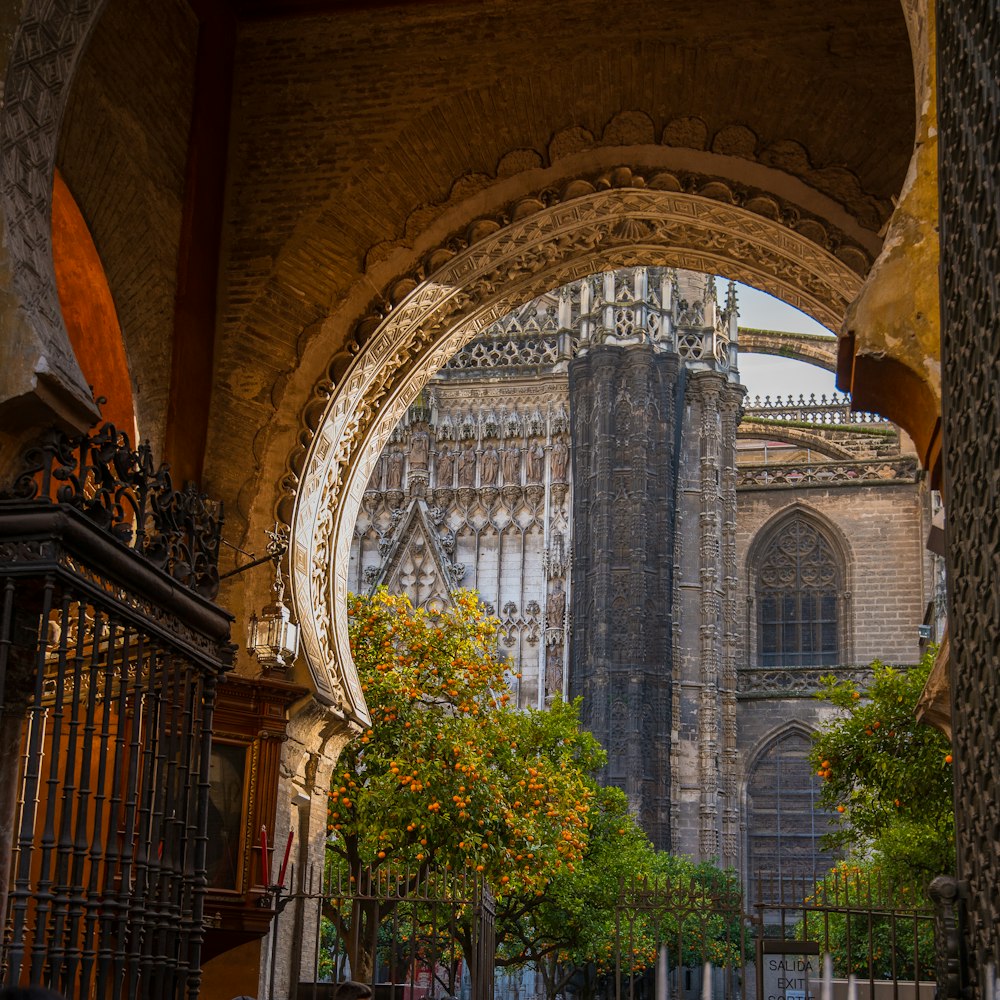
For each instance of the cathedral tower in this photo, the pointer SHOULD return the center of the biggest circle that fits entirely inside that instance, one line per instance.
(613, 575)
(654, 403)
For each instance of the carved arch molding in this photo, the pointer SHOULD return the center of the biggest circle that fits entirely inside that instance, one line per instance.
(467, 285)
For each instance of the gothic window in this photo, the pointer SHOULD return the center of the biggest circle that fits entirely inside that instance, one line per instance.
(799, 581)
(784, 827)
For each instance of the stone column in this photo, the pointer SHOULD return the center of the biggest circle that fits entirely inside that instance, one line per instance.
(310, 754)
(730, 406)
(705, 792)
(703, 391)
(624, 414)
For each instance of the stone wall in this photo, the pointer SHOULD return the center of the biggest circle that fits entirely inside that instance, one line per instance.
(882, 533)
(473, 490)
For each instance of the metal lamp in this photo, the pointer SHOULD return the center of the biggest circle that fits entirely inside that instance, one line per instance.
(272, 638)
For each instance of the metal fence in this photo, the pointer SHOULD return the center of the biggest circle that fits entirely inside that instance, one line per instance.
(668, 928)
(409, 932)
(874, 931)
(699, 937)
(110, 651)
(414, 934)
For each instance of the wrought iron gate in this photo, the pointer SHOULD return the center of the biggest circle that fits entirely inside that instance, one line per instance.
(406, 931)
(968, 48)
(881, 934)
(696, 937)
(110, 651)
(669, 929)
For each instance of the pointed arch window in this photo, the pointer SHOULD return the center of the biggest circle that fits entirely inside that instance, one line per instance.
(785, 827)
(799, 582)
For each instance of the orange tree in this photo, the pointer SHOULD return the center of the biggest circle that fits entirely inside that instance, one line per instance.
(450, 777)
(620, 902)
(568, 933)
(871, 926)
(888, 776)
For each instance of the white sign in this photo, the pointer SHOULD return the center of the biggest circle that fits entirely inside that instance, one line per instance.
(786, 977)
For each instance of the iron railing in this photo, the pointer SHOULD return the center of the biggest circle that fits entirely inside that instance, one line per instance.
(110, 652)
(875, 931)
(408, 932)
(668, 929)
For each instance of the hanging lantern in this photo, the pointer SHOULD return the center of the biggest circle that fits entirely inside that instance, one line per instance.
(272, 638)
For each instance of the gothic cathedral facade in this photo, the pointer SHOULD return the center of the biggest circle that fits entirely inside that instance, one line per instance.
(687, 561)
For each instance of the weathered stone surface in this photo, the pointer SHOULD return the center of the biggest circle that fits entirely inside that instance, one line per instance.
(625, 405)
(891, 351)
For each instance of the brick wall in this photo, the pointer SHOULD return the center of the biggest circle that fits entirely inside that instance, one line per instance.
(122, 154)
(882, 528)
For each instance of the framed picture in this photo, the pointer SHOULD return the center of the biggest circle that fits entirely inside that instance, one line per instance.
(226, 822)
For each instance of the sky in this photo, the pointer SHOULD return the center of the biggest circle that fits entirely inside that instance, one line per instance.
(766, 375)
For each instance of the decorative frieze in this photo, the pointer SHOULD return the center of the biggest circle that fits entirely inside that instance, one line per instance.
(751, 477)
(795, 682)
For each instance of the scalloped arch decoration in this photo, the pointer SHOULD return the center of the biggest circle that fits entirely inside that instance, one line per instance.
(537, 247)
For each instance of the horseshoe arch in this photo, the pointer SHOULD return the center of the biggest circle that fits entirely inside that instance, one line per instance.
(504, 266)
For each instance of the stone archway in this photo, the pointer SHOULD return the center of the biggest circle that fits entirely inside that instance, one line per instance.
(540, 247)
(811, 348)
(37, 360)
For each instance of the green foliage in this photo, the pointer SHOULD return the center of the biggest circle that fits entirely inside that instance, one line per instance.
(893, 921)
(450, 776)
(702, 911)
(889, 776)
(623, 899)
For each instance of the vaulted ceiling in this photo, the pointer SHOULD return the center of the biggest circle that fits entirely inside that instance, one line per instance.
(248, 170)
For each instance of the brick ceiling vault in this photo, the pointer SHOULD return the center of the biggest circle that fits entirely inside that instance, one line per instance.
(371, 143)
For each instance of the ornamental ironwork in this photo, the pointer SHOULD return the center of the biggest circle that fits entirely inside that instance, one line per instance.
(108, 679)
(120, 490)
(968, 49)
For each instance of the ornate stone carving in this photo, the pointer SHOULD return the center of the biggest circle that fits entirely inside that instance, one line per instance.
(470, 290)
(785, 155)
(797, 681)
(560, 461)
(394, 474)
(490, 466)
(623, 558)
(826, 474)
(419, 449)
(512, 465)
(444, 472)
(467, 467)
(49, 41)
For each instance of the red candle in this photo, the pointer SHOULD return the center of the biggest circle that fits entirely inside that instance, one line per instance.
(284, 862)
(265, 881)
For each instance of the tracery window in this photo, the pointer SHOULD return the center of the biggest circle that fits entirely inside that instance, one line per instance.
(784, 827)
(799, 582)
